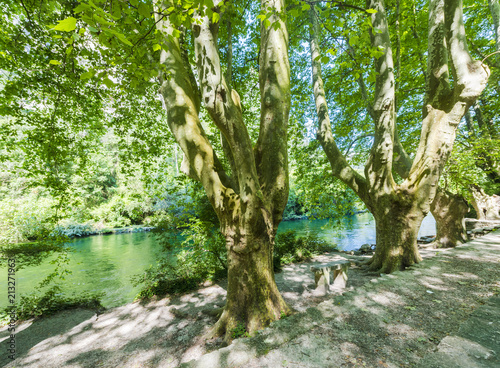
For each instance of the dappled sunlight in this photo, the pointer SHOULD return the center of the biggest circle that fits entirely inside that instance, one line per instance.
(387, 299)
(434, 283)
(401, 316)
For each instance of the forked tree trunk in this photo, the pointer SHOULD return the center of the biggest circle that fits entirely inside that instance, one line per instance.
(449, 211)
(249, 204)
(400, 208)
(253, 299)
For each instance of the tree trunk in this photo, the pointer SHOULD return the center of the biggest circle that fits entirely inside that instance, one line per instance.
(449, 212)
(495, 14)
(487, 207)
(253, 299)
(250, 202)
(400, 209)
(397, 224)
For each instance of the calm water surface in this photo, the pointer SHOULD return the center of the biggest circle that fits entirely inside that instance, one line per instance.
(106, 263)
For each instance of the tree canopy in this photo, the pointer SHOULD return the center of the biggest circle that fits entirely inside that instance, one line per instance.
(221, 90)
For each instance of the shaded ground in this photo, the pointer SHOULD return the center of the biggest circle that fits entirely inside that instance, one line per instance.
(399, 320)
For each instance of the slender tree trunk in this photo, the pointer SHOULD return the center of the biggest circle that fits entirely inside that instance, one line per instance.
(449, 212)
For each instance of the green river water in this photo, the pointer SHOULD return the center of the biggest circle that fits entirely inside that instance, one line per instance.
(106, 263)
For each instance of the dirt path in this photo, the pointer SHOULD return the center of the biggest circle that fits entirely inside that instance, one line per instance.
(384, 321)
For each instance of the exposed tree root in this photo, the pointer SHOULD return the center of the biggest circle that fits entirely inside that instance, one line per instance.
(217, 312)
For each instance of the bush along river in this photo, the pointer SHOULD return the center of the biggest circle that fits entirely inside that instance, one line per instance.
(106, 263)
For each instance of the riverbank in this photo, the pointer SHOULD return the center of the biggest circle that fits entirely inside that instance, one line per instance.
(379, 321)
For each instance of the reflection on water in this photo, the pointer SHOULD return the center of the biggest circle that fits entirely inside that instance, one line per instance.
(106, 263)
(350, 232)
(98, 264)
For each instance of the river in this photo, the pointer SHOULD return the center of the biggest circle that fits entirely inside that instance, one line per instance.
(106, 263)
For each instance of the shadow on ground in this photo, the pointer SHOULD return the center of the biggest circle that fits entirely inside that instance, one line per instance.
(381, 321)
(407, 319)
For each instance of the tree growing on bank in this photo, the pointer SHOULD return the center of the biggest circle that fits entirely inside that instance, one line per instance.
(400, 208)
(121, 47)
(250, 202)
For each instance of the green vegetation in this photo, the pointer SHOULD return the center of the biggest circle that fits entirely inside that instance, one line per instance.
(52, 301)
(239, 331)
(148, 113)
(200, 257)
(290, 248)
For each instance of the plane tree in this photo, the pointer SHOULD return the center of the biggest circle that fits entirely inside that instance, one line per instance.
(245, 179)
(454, 82)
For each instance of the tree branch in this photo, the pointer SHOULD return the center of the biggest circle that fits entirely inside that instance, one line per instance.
(378, 170)
(223, 104)
(182, 116)
(470, 75)
(271, 153)
(340, 168)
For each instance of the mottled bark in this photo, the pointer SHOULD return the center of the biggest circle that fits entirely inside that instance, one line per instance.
(449, 211)
(495, 14)
(397, 222)
(487, 207)
(271, 153)
(399, 209)
(252, 295)
(249, 205)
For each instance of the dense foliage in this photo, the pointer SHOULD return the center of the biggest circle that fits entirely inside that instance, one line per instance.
(85, 148)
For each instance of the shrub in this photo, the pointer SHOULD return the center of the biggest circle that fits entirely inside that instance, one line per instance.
(291, 248)
(72, 230)
(202, 258)
(52, 301)
(25, 219)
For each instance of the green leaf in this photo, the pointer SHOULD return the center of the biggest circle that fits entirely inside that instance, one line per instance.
(119, 35)
(294, 12)
(102, 20)
(87, 75)
(68, 50)
(144, 10)
(215, 17)
(371, 11)
(124, 39)
(108, 82)
(134, 2)
(325, 59)
(306, 7)
(80, 8)
(156, 47)
(55, 62)
(93, 29)
(371, 78)
(332, 52)
(66, 25)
